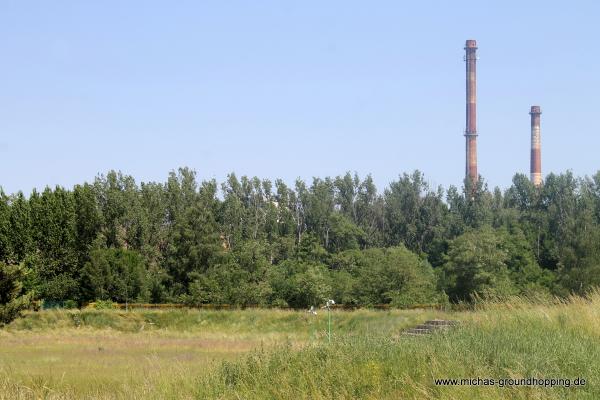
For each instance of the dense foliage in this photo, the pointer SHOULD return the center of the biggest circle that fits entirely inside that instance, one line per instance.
(14, 297)
(252, 241)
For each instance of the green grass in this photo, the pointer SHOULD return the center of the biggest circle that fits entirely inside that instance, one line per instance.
(511, 340)
(246, 322)
(271, 354)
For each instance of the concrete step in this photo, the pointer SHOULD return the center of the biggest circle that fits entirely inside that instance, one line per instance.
(425, 326)
(406, 333)
(429, 327)
(418, 331)
(441, 322)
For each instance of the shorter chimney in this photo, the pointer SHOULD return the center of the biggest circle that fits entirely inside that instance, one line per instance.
(536, 146)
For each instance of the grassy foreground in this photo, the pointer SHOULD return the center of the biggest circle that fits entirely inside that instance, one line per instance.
(156, 354)
(268, 354)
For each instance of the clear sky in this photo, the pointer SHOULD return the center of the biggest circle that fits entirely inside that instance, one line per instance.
(292, 88)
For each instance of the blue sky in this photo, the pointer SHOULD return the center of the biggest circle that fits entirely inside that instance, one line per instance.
(291, 89)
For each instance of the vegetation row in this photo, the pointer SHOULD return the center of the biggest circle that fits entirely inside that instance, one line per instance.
(249, 241)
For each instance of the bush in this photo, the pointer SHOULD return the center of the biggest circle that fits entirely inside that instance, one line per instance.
(103, 305)
(394, 276)
(114, 274)
(13, 299)
(70, 304)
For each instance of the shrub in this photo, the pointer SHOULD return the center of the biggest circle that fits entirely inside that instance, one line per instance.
(70, 304)
(103, 305)
(13, 299)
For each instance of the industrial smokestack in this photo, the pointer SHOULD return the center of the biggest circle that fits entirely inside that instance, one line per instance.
(536, 147)
(471, 129)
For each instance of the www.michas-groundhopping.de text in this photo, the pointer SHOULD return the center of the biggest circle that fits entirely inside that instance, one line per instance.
(512, 382)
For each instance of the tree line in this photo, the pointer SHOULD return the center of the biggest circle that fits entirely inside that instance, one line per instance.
(251, 241)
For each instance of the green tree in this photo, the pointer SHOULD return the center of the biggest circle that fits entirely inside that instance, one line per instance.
(394, 276)
(414, 213)
(344, 234)
(88, 221)
(115, 274)
(13, 298)
(370, 213)
(319, 205)
(347, 190)
(232, 213)
(54, 233)
(5, 242)
(195, 243)
(20, 227)
(299, 284)
(477, 265)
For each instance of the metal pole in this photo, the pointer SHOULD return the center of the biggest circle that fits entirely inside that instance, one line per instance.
(329, 314)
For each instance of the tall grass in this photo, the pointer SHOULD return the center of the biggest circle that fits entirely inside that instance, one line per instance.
(182, 354)
(515, 339)
(231, 322)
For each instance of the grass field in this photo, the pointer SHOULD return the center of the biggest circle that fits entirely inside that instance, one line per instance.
(270, 354)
